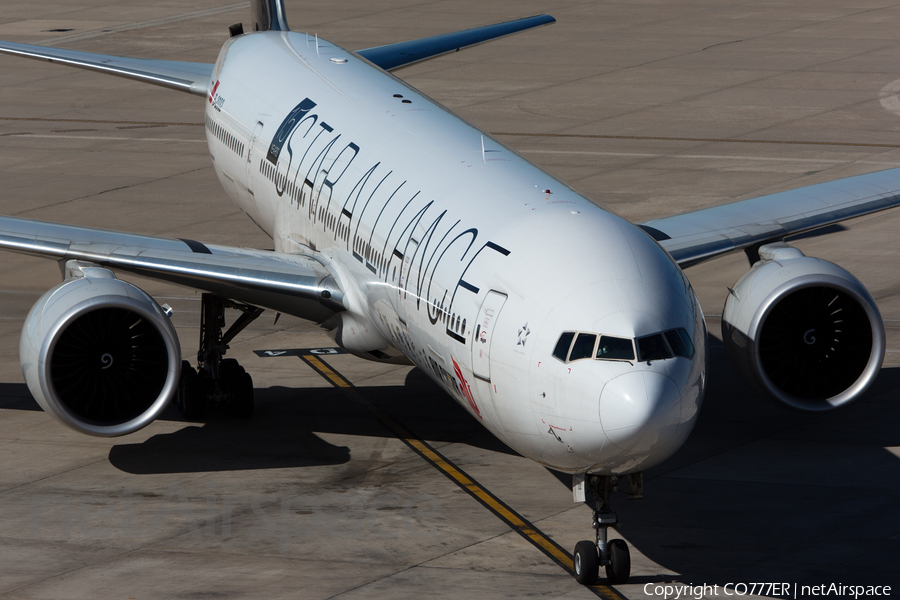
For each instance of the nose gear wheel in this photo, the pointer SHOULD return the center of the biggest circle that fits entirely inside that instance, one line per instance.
(613, 555)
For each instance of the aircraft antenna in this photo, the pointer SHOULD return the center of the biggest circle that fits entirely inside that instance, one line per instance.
(482, 150)
(317, 44)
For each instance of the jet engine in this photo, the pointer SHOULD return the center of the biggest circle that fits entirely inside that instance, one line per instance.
(803, 331)
(99, 354)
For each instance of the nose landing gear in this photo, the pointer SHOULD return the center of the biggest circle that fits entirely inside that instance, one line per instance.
(219, 380)
(595, 490)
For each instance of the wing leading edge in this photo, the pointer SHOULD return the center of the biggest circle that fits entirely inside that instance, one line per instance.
(394, 56)
(299, 285)
(701, 235)
(189, 77)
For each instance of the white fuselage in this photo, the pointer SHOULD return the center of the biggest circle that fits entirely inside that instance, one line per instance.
(458, 255)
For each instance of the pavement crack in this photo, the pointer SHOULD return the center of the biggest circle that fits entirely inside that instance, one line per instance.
(115, 189)
(722, 44)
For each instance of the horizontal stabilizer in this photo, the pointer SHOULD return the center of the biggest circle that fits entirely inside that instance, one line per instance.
(701, 235)
(189, 77)
(402, 54)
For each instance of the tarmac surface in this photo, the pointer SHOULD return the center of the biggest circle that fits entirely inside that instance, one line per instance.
(647, 108)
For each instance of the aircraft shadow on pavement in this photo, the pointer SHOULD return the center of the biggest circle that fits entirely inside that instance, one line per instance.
(757, 493)
(15, 396)
(283, 430)
(762, 494)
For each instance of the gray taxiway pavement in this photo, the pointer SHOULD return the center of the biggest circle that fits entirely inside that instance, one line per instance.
(648, 109)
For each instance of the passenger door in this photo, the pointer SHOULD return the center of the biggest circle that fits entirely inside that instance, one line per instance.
(483, 335)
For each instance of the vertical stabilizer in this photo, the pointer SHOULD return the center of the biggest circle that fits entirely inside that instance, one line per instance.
(268, 15)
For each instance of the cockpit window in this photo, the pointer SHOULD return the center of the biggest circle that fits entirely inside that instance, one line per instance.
(680, 342)
(653, 347)
(688, 343)
(577, 345)
(583, 346)
(615, 348)
(562, 346)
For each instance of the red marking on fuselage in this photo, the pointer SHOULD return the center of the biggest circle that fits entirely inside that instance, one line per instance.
(212, 94)
(464, 385)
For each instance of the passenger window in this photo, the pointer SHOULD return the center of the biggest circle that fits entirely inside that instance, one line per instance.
(676, 339)
(653, 347)
(583, 346)
(615, 348)
(562, 346)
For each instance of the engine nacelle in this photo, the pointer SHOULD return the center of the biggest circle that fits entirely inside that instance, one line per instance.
(803, 331)
(99, 354)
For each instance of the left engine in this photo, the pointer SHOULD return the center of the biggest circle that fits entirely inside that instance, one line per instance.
(803, 331)
(99, 354)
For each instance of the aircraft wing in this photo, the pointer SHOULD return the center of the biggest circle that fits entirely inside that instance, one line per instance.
(402, 54)
(301, 285)
(193, 78)
(189, 77)
(701, 235)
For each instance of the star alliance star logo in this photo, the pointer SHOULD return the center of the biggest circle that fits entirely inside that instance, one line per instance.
(523, 334)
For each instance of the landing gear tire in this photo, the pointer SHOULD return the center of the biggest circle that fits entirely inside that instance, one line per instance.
(220, 380)
(618, 569)
(240, 391)
(613, 555)
(587, 563)
(228, 364)
(190, 398)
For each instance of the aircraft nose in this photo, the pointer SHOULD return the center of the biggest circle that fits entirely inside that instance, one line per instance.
(640, 410)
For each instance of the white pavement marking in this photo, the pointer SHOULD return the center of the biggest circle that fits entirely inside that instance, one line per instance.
(710, 156)
(889, 98)
(142, 24)
(104, 137)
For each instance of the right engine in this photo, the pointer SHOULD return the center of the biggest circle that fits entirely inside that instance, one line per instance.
(803, 331)
(99, 354)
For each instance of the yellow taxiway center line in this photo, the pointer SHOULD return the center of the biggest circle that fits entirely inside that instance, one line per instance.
(515, 521)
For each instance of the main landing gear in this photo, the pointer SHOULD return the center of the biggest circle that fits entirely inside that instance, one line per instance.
(217, 380)
(595, 490)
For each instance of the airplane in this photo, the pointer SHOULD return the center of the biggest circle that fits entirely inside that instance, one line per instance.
(412, 237)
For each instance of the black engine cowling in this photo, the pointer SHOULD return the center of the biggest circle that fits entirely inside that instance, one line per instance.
(100, 355)
(803, 331)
